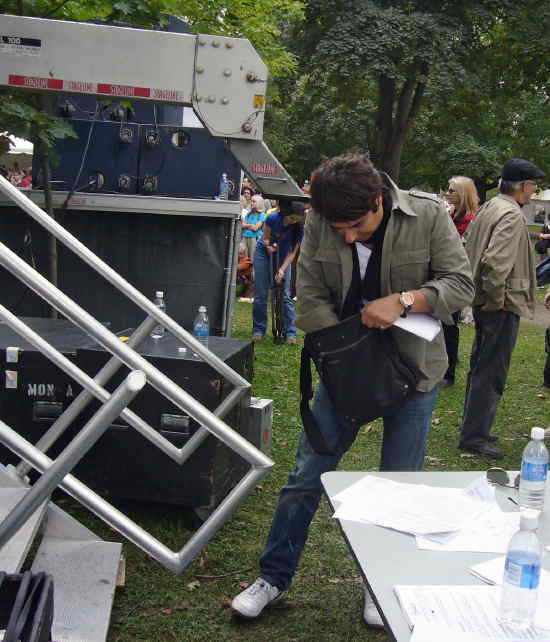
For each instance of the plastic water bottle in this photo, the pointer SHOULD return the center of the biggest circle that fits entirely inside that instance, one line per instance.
(534, 468)
(201, 326)
(158, 331)
(521, 573)
(224, 188)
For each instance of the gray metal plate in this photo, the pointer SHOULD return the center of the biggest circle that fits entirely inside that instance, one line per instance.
(84, 586)
(14, 552)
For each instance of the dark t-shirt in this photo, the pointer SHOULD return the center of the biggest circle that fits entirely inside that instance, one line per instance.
(285, 237)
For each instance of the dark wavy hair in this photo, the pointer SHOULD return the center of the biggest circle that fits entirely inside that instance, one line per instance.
(343, 188)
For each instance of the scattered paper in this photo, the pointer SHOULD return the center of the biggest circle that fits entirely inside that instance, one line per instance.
(468, 610)
(410, 508)
(422, 325)
(488, 532)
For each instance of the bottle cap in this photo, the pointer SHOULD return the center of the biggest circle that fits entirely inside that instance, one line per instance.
(203, 309)
(537, 433)
(529, 519)
(159, 294)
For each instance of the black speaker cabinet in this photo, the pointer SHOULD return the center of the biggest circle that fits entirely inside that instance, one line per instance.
(126, 465)
(34, 391)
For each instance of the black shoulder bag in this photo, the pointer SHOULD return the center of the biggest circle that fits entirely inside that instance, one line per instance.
(362, 371)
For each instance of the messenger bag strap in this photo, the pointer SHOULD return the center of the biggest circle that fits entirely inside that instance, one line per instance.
(309, 422)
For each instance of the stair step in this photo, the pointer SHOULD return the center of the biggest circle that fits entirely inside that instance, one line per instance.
(13, 554)
(84, 575)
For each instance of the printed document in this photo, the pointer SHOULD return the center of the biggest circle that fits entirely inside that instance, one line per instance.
(488, 532)
(492, 572)
(470, 610)
(410, 508)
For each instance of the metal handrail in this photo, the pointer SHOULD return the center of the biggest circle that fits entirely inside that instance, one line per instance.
(71, 455)
(210, 422)
(175, 561)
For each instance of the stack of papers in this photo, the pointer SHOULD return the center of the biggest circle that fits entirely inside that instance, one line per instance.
(412, 508)
(488, 532)
(460, 614)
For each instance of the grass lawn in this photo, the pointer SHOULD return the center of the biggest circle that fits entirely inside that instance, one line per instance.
(326, 600)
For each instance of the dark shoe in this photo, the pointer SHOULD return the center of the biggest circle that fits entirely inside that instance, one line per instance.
(445, 383)
(492, 437)
(492, 452)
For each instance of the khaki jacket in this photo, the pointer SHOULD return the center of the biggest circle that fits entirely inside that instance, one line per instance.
(499, 249)
(422, 250)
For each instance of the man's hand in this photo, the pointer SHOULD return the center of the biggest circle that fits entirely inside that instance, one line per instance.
(547, 299)
(279, 275)
(381, 313)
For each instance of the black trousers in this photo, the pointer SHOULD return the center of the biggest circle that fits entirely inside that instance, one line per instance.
(452, 336)
(495, 338)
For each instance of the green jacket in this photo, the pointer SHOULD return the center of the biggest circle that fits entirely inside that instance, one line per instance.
(422, 250)
(499, 249)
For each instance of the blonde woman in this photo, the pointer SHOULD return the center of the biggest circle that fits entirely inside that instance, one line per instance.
(461, 195)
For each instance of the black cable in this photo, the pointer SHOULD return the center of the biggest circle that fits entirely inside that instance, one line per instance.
(83, 160)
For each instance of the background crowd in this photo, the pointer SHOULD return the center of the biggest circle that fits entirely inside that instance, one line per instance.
(17, 176)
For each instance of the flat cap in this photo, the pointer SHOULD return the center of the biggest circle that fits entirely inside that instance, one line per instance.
(519, 169)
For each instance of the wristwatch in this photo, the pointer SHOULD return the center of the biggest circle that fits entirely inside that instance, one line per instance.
(407, 301)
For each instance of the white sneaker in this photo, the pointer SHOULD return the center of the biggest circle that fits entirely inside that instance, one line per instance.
(253, 600)
(371, 614)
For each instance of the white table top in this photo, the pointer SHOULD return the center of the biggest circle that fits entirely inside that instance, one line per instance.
(386, 557)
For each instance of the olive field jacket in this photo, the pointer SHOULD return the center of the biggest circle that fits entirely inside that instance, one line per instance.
(422, 250)
(499, 249)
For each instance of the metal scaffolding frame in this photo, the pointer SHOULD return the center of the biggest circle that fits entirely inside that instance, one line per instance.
(210, 422)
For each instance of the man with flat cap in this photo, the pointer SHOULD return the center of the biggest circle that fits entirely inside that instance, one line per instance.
(498, 246)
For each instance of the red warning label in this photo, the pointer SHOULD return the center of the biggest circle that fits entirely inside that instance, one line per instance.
(123, 90)
(35, 82)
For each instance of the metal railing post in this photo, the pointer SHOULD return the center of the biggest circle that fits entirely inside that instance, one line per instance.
(72, 454)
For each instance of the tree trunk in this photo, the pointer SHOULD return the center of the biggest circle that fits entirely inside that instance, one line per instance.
(47, 106)
(401, 111)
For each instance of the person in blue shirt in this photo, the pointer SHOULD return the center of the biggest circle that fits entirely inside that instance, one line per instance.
(275, 251)
(252, 224)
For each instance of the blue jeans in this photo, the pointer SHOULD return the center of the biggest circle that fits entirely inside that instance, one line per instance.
(262, 283)
(405, 432)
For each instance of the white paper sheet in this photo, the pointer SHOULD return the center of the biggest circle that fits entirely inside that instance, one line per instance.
(422, 325)
(488, 532)
(411, 508)
(471, 610)
(425, 632)
(492, 572)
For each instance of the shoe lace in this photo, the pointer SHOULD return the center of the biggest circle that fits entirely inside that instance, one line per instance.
(259, 586)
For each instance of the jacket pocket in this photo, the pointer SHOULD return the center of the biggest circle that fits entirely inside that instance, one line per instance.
(409, 269)
(515, 285)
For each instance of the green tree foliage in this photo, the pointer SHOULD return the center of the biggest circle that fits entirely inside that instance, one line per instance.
(452, 78)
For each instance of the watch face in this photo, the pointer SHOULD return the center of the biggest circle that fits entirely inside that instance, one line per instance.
(407, 298)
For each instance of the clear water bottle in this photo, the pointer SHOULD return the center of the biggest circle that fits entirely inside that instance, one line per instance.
(521, 573)
(201, 326)
(224, 188)
(534, 468)
(158, 331)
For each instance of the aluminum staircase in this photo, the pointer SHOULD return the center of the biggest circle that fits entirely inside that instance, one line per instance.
(84, 567)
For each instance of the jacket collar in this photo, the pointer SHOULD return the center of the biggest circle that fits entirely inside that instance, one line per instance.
(508, 198)
(399, 201)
